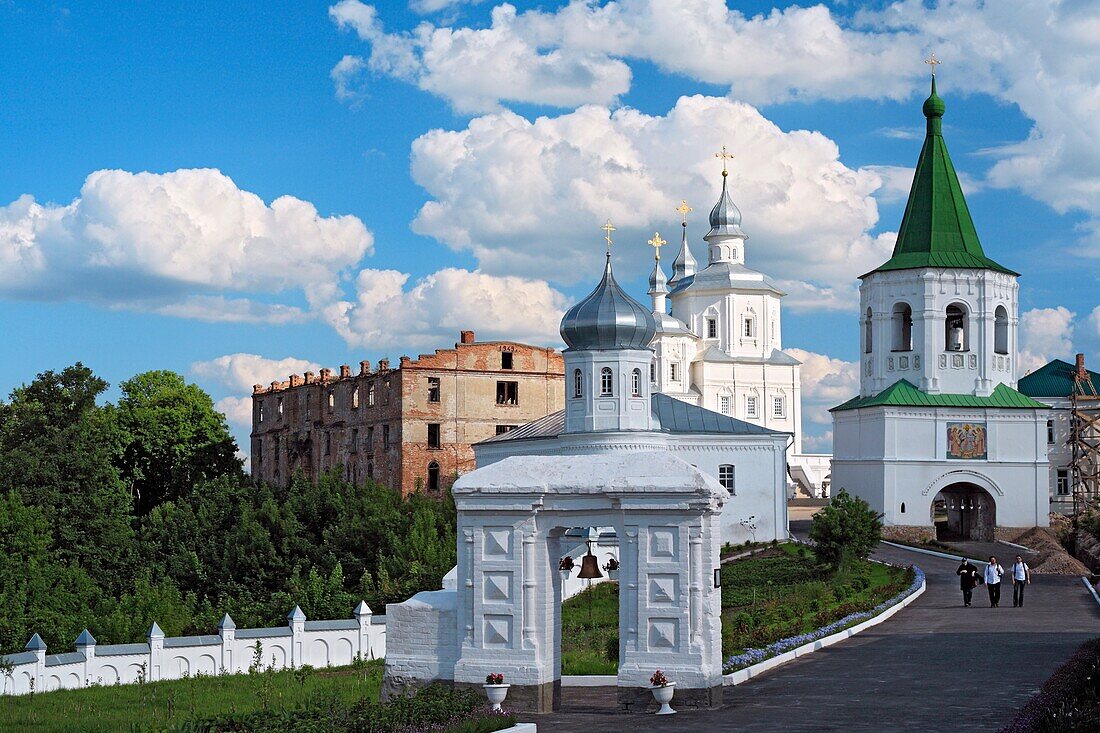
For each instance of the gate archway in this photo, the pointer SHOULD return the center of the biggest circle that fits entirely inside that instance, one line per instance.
(665, 512)
(964, 511)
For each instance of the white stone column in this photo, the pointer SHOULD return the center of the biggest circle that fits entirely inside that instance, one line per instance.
(156, 653)
(227, 630)
(363, 616)
(85, 644)
(297, 623)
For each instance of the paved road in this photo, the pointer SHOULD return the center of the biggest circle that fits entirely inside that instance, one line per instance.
(933, 667)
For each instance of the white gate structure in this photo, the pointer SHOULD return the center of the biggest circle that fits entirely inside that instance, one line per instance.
(504, 615)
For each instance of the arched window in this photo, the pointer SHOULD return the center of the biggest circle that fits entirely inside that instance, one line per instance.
(607, 382)
(433, 477)
(355, 398)
(331, 400)
(956, 329)
(1000, 330)
(578, 385)
(370, 395)
(903, 327)
(370, 471)
(636, 383)
(867, 332)
(903, 507)
(725, 477)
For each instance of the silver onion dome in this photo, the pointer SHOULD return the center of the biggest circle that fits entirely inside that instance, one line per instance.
(725, 217)
(608, 318)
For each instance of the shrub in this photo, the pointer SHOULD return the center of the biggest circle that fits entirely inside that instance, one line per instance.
(847, 528)
(1069, 701)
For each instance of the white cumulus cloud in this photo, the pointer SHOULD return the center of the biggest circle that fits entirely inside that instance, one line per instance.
(1045, 334)
(826, 382)
(528, 197)
(175, 242)
(386, 313)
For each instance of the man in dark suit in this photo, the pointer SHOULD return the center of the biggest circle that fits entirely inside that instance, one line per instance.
(968, 578)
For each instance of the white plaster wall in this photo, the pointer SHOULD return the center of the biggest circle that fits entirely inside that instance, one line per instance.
(890, 456)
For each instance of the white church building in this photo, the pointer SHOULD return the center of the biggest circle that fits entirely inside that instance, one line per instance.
(721, 347)
(939, 440)
(612, 406)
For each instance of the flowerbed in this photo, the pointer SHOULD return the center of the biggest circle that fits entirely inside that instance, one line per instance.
(1069, 701)
(756, 655)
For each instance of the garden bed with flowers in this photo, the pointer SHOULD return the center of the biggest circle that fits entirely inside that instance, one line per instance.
(769, 598)
(782, 599)
(1069, 702)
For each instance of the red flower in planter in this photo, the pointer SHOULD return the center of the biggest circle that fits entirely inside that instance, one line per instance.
(494, 679)
(658, 679)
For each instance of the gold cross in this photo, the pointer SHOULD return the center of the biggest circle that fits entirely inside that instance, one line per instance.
(724, 156)
(933, 62)
(608, 228)
(656, 243)
(683, 209)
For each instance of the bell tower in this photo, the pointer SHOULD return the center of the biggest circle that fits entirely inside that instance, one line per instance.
(939, 313)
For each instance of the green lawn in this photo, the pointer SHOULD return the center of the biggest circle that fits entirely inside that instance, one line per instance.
(767, 597)
(156, 706)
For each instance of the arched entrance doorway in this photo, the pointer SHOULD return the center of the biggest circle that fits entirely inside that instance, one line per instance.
(964, 511)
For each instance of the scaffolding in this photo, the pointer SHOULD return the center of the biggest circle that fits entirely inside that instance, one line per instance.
(1084, 439)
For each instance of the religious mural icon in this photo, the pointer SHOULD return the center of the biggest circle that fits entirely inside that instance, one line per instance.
(966, 441)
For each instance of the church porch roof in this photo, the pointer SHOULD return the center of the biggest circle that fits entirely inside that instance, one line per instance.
(905, 394)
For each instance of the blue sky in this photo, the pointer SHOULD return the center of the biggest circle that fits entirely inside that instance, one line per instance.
(397, 236)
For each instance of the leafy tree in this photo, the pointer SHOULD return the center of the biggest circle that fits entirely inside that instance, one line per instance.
(846, 528)
(59, 450)
(174, 438)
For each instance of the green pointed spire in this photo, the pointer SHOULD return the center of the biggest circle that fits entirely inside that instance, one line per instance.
(936, 230)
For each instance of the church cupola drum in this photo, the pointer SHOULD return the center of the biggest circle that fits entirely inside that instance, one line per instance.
(607, 363)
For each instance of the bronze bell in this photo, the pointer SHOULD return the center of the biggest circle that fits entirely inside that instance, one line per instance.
(590, 566)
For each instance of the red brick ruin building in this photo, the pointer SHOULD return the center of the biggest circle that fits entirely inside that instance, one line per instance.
(409, 428)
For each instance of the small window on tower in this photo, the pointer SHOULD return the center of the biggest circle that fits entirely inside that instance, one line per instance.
(750, 407)
(433, 389)
(712, 328)
(607, 382)
(279, 404)
(674, 372)
(506, 360)
(636, 383)
(777, 407)
(331, 400)
(724, 404)
(260, 412)
(370, 396)
(578, 384)
(433, 435)
(355, 398)
(750, 327)
(653, 372)
(1050, 432)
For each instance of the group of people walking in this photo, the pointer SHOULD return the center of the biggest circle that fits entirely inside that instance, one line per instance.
(970, 577)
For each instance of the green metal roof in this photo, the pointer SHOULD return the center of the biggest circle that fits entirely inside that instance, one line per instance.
(936, 229)
(1053, 380)
(905, 394)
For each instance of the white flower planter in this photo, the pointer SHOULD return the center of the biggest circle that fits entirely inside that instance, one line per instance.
(564, 575)
(496, 695)
(612, 574)
(663, 696)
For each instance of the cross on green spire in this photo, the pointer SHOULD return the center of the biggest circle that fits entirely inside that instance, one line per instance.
(936, 230)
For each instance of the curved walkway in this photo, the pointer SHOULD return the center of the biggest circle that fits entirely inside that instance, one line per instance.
(935, 666)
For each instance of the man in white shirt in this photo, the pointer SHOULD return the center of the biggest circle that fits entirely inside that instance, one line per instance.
(1021, 577)
(993, 573)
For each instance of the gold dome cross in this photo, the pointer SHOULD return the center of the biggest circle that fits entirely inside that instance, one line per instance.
(608, 228)
(933, 62)
(683, 210)
(656, 243)
(724, 156)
